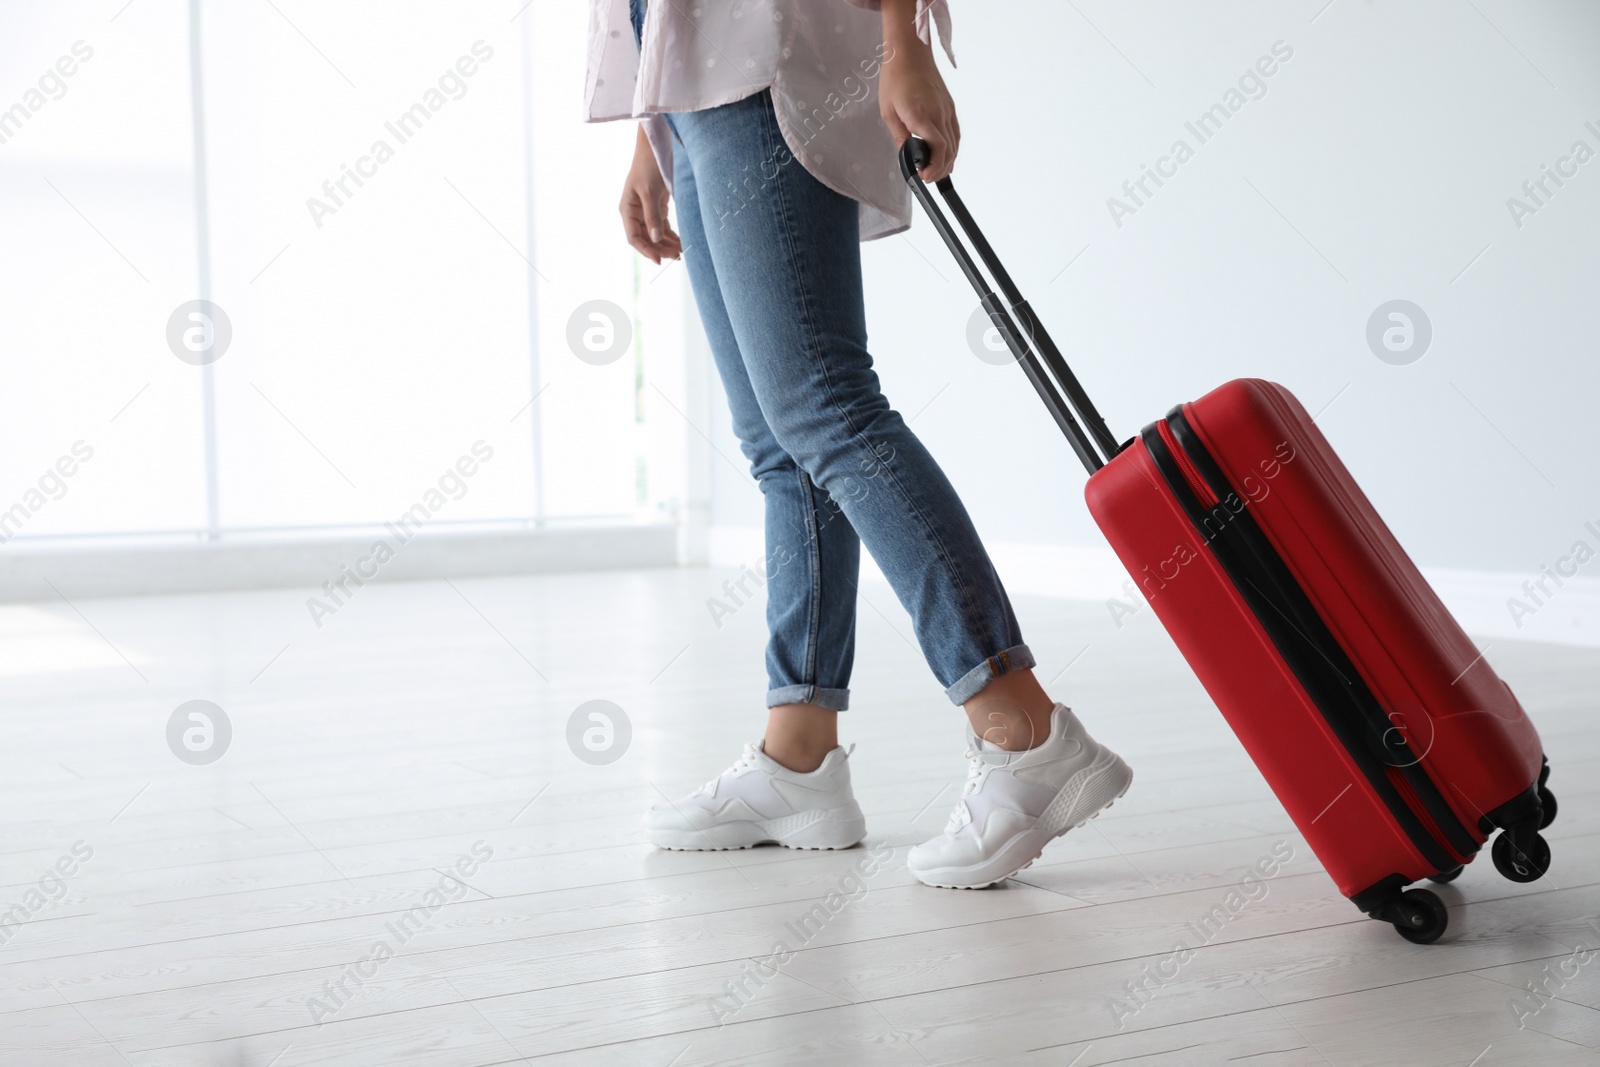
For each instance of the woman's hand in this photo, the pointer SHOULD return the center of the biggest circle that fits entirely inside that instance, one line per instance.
(911, 93)
(644, 206)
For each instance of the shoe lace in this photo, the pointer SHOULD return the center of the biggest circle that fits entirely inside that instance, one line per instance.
(961, 816)
(744, 762)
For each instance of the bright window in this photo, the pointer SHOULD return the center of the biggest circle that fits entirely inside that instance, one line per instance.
(398, 210)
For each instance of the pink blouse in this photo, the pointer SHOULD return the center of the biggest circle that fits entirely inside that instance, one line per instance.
(820, 58)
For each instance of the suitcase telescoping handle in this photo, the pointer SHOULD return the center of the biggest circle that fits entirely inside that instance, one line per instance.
(1093, 447)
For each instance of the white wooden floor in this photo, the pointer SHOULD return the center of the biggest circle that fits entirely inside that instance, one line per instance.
(423, 721)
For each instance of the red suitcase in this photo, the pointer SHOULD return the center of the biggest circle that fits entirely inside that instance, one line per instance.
(1391, 742)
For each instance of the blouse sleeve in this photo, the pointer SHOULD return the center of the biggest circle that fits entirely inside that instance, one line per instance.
(929, 13)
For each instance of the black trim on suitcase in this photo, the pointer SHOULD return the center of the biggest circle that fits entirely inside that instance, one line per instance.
(1523, 808)
(1292, 624)
(1377, 896)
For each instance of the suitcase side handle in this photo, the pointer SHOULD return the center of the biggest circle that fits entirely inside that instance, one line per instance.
(1096, 446)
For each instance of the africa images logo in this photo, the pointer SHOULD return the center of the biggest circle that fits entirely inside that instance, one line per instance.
(337, 192)
(1252, 85)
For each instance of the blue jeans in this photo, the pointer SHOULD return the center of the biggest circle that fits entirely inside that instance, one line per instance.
(775, 261)
(774, 257)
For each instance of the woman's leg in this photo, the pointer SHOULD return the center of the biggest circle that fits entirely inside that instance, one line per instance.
(784, 250)
(813, 556)
(794, 789)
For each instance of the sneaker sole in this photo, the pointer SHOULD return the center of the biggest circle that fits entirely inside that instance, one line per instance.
(1090, 792)
(819, 830)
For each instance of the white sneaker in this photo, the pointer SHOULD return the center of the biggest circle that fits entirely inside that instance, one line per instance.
(758, 801)
(1015, 803)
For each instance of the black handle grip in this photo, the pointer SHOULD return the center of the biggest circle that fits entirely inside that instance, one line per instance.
(914, 155)
(1091, 446)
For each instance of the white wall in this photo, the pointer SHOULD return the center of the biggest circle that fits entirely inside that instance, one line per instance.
(1387, 146)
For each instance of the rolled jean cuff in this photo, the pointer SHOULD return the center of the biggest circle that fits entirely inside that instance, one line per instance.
(1015, 658)
(832, 699)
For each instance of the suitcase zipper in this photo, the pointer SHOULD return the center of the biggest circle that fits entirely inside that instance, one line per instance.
(1347, 705)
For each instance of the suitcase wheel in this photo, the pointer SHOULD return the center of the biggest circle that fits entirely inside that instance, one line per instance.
(1444, 877)
(1419, 916)
(1547, 799)
(1547, 803)
(1526, 863)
